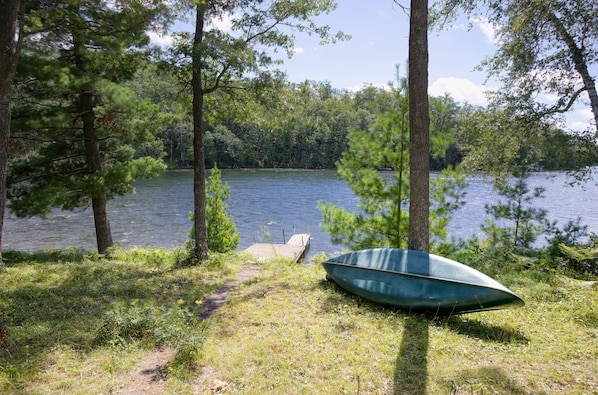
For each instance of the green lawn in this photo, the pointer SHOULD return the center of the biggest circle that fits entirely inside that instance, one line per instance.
(80, 325)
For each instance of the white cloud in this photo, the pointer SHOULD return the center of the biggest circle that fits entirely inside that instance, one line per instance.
(298, 50)
(459, 26)
(586, 113)
(223, 23)
(160, 39)
(363, 85)
(460, 89)
(487, 28)
(581, 119)
(579, 126)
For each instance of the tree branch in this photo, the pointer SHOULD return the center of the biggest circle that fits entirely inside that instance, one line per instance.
(559, 110)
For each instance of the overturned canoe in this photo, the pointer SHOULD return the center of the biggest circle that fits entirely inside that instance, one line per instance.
(419, 282)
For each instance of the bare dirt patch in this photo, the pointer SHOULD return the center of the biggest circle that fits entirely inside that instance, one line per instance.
(148, 376)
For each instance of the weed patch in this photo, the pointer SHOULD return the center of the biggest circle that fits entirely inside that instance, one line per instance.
(95, 307)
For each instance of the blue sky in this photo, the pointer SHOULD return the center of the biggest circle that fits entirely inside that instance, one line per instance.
(380, 30)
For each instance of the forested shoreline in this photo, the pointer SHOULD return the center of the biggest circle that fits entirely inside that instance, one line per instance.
(307, 125)
(287, 125)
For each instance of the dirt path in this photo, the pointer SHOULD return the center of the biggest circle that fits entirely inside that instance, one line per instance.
(214, 301)
(148, 376)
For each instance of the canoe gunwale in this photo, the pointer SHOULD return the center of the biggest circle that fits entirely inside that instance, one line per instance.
(424, 277)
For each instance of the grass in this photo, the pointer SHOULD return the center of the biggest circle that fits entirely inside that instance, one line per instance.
(287, 331)
(296, 333)
(74, 317)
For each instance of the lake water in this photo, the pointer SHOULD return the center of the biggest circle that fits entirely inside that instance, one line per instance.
(262, 203)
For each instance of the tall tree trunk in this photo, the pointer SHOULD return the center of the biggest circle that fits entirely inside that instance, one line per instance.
(99, 203)
(9, 53)
(419, 128)
(199, 167)
(93, 158)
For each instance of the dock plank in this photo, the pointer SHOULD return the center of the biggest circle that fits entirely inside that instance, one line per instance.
(299, 239)
(294, 249)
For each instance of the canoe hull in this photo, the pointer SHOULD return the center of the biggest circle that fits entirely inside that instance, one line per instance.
(418, 282)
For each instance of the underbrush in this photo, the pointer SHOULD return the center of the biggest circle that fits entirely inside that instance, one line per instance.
(74, 301)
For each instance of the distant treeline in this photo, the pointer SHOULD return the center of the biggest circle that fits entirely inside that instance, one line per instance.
(306, 125)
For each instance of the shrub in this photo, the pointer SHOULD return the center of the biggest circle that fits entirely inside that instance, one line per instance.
(569, 235)
(526, 221)
(581, 259)
(176, 327)
(222, 232)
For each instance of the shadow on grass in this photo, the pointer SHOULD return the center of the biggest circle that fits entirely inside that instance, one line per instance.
(411, 370)
(483, 331)
(52, 305)
(69, 255)
(486, 379)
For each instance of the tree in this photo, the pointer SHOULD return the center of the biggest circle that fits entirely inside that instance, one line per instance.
(172, 101)
(544, 46)
(528, 222)
(444, 121)
(10, 39)
(219, 60)
(75, 113)
(496, 139)
(419, 128)
(382, 220)
(222, 231)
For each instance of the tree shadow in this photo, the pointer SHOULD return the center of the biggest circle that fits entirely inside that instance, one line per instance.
(411, 370)
(485, 379)
(483, 331)
(63, 305)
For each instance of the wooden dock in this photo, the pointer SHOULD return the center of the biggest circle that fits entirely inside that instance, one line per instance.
(294, 249)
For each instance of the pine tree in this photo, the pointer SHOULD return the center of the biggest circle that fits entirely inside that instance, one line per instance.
(74, 117)
(213, 59)
(222, 232)
(383, 216)
(9, 54)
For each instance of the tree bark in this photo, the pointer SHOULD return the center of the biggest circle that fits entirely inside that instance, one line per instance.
(419, 128)
(99, 202)
(9, 53)
(199, 167)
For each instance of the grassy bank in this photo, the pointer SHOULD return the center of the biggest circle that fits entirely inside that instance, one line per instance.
(75, 328)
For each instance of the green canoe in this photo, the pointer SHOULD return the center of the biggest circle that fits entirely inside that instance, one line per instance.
(419, 282)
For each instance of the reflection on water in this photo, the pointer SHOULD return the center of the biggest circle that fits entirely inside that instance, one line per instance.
(263, 203)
